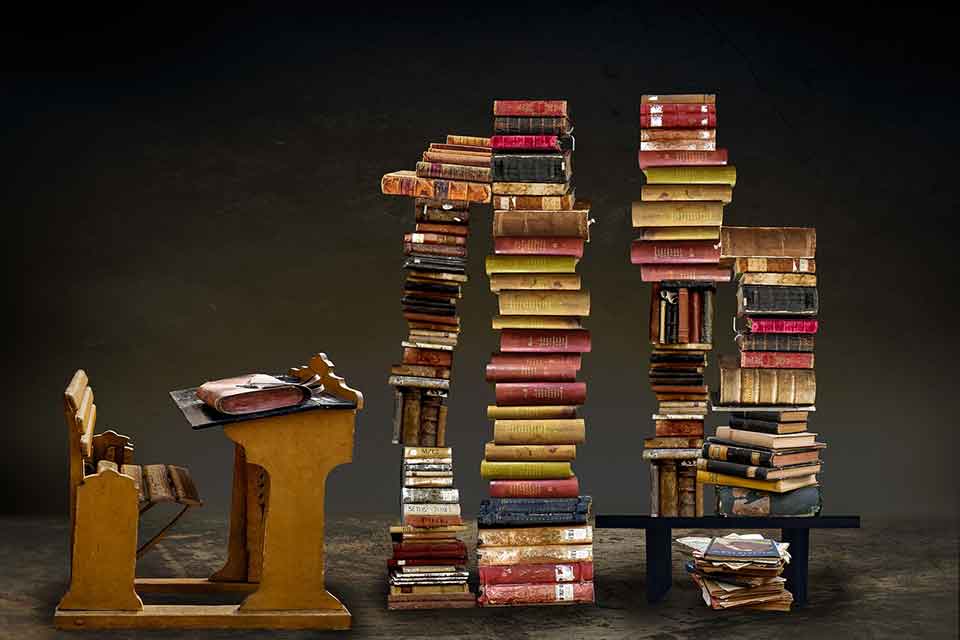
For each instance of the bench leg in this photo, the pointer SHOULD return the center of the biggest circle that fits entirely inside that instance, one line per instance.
(659, 563)
(796, 571)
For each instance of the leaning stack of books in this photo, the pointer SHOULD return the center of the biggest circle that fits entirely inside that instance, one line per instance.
(449, 178)
(428, 569)
(677, 223)
(544, 556)
(740, 571)
(765, 461)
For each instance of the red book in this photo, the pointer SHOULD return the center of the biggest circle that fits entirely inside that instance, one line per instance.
(676, 428)
(434, 249)
(533, 367)
(783, 325)
(647, 108)
(432, 357)
(556, 108)
(538, 359)
(695, 272)
(678, 120)
(677, 158)
(536, 573)
(519, 594)
(412, 316)
(526, 143)
(545, 340)
(431, 521)
(435, 238)
(539, 246)
(435, 548)
(566, 488)
(775, 360)
(424, 562)
(675, 251)
(540, 393)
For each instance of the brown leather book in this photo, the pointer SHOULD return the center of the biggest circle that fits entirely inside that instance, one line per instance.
(668, 488)
(433, 357)
(768, 242)
(696, 316)
(683, 315)
(453, 157)
(251, 393)
(411, 416)
(677, 428)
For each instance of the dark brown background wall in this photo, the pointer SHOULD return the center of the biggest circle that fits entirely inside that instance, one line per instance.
(191, 196)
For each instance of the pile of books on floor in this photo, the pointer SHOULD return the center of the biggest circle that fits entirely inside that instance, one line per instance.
(740, 571)
(677, 245)
(428, 569)
(765, 461)
(544, 555)
(449, 178)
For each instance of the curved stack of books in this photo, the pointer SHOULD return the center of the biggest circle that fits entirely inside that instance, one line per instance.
(677, 224)
(534, 543)
(428, 567)
(765, 462)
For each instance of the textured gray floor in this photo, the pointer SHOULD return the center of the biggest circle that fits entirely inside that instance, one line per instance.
(889, 579)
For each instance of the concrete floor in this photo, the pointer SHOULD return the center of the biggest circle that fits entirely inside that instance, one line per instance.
(889, 579)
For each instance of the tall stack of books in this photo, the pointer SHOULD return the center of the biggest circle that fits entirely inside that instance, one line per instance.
(677, 223)
(765, 461)
(545, 553)
(428, 569)
(449, 178)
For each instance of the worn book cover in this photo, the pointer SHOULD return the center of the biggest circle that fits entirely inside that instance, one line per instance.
(407, 183)
(550, 393)
(532, 125)
(545, 573)
(545, 303)
(738, 501)
(531, 167)
(573, 223)
(535, 282)
(768, 242)
(556, 488)
(530, 108)
(548, 341)
(679, 213)
(525, 470)
(541, 246)
(726, 174)
(530, 264)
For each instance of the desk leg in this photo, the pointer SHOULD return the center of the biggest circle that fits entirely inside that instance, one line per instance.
(659, 563)
(796, 572)
(235, 569)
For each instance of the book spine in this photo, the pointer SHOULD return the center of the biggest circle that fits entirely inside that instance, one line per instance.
(674, 252)
(726, 174)
(513, 519)
(553, 470)
(780, 279)
(539, 246)
(655, 108)
(693, 272)
(733, 469)
(775, 360)
(429, 413)
(565, 341)
(433, 215)
(537, 536)
(535, 282)
(559, 188)
(655, 312)
(546, 372)
(436, 556)
(711, 477)
(520, 594)
(416, 381)
(668, 488)
(783, 325)
(767, 386)
(777, 300)
(487, 556)
(438, 548)
(409, 184)
(530, 452)
(545, 303)
(411, 416)
(678, 120)
(441, 439)
(738, 455)
(676, 428)
(533, 203)
(529, 143)
(427, 521)
(572, 224)
(434, 249)
(536, 573)
(679, 98)
(453, 171)
(775, 265)
(530, 108)
(539, 125)
(454, 158)
(673, 158)
(651, 135)
(527, 393)
(468, 141)
(678, 145)
(696, 316)
(775, 342)
(682, 192)
(530, 168)
(683, 315)
(539, 431)
(768, 242)
(435, 238)
(413, 355)
(661, 213)
(530, 264)
(686, 490)
(545, 412)
(561, 488)
(432, 509)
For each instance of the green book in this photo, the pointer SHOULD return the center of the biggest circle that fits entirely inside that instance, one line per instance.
(525, 470)
(531, 264)
(725, 174)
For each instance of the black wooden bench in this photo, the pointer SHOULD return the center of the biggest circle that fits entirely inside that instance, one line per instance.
(659, 534)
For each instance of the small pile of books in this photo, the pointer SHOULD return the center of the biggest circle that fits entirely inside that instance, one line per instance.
(545, 555)
(677, 224)
(765, 461)
(740, 571)
(428, 569)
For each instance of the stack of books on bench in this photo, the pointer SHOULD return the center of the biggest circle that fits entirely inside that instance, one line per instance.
(428, 569)
(450, 177)
(765, 461)
(740, 571)
(539, 234)
(677, 225)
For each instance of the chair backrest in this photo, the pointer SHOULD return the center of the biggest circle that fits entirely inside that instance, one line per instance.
(80, 413)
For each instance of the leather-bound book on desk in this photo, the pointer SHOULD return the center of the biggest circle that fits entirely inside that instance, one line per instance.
(251, 393)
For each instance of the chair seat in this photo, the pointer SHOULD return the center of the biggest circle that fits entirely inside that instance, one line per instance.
(158, 483)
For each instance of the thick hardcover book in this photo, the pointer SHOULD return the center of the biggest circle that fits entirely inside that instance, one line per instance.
(521, 367)
(527, 393)
(560, 488)
(536, 125)
(663, 213)
(774, 486)
(678, 120)
(411, 549)
(779, 279)
(546, 143)
(487, 556)
(531, 189)
(546, 573)
(674, 158)
(547, 341)
(534, 282)
(759, 299)
(670, 454)
(429, 453)
(679, 428)
(430, 357)
(453, 171)
(675, 252)
(768, 242)
(544, 431)
(678, 233)
(426, 521)
(481, 160)
(678, 145)
(775, 265)
(410, 418)
(531, 167)
(531, 264)
(430, 495)
(545, 303)
(672, 192)
(676, 107)
(766, 426)
(738, 501)
(683, 316)
(418, 381)
(535, 322)
(696, 315)
(503, 595)
(534, 203)
(434, 249)
(679, 98)
(755, 456)
(407, 183)
(759, 473)
(766, 386)
(783, 325)
(767, 440)
(451, 229)
(783, 342)
(673, 442)
(515, 519)
(530, 108)
(793, 415)
(445, 205)
(538, 246)
(251, 393)
(726, 174)
(668, 488)
(529, 452)
(468, 141)
(431, 509)
(580, 504)
(432, 318)
(574, 223)
(550, 470)
(543, 412)
(776, 360)
(676, 135)
(693, 272)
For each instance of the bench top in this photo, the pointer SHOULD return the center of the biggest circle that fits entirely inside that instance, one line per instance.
(725, 522)
(201, 416)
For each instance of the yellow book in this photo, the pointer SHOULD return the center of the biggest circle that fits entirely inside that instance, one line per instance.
(531, 264)
(533, 452)
(552, 470)
(545, 303)
(677, 214)
(776, 486)
(680, 233)
(428, 589)
(723, 174)
(534, 281)
(531, 412)
(721, 192)
(535, 322)
(529, 189)
(540, 431)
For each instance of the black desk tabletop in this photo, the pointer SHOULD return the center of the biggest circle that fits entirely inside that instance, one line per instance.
(725, 522)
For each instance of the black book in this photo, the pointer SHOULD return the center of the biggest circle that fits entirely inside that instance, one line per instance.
(674, 285)
(765, 426)
(426, 264)
(514, 519)
(775, 342)
(777, 300)
(771, 416)
(432, 287)
(531, 167)
(434, 311)
(673, 322)
(517, 125)
(736, 501)
(427, 302)
(706, 324)
(678, 357)
(580, 504)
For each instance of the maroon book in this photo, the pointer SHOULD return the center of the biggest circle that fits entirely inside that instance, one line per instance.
(526, 143)
(678, 120)
(537, 573)
(427, 562)
(680, 158)
(775, 360)
(696, 272)
(675, 252)
(647, 108)
(545, 340)
(431, 521)
(543, 366)
(521, 246)
(540, 393)
(566, 488)
(432, 357)
(520, 594)
(555, 108)
(434, 249)
(783, 325)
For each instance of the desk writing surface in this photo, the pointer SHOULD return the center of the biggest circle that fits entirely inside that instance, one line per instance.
(200, 416)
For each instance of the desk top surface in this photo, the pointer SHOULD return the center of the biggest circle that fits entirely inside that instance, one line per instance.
(725, 522)
(200, 416)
